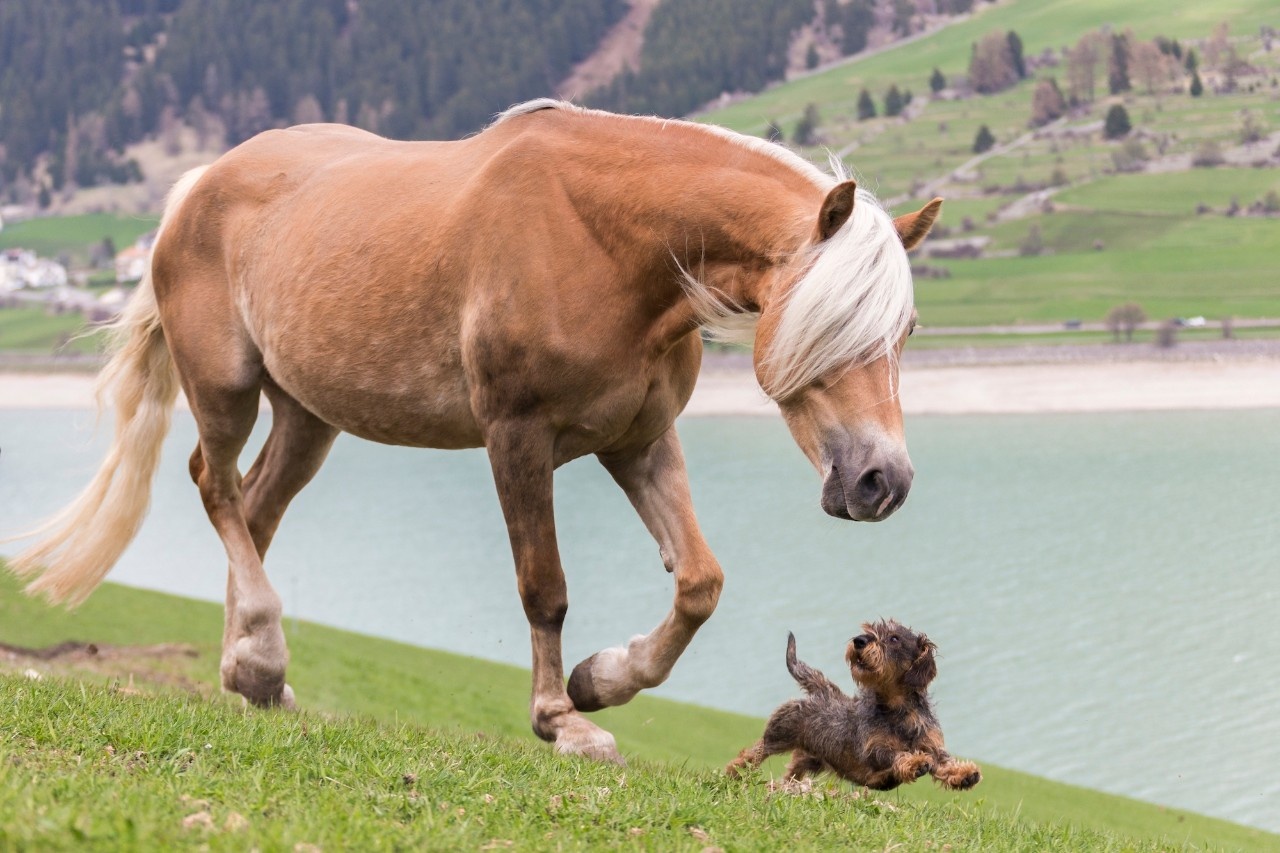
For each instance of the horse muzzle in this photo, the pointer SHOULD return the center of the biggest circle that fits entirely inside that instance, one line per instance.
(872, 492)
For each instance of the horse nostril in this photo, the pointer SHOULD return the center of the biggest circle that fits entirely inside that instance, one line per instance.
(872, 487)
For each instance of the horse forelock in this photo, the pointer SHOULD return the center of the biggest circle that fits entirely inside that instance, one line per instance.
(849, 307)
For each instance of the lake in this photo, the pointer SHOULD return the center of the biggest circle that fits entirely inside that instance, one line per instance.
(1104, 589)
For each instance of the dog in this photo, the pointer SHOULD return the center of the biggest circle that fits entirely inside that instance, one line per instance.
(884, 736)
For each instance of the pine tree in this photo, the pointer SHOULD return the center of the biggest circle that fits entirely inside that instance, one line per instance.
(866, 106)
(1197, 88)
(1117, 122)
(936, 81)
(984, 140)
(1015, 54)
(893, 101)
(806, 132)
(811, 58)
(1118, 67)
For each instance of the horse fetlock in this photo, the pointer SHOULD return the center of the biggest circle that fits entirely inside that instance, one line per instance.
(256, 670)
(614, 676)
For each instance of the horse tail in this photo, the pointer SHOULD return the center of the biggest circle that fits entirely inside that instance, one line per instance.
(82, 542)
(806, 676)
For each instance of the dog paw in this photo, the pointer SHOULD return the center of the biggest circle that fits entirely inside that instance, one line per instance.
(969, 781)
(924, 769)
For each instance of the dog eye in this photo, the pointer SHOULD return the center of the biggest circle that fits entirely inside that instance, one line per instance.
(893, 639)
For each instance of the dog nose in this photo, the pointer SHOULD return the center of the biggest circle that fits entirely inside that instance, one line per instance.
(860, 641)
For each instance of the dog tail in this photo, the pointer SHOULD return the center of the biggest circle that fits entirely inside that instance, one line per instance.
(806, 676)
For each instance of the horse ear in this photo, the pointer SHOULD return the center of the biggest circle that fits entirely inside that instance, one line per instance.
(912, 227)
(836, 209)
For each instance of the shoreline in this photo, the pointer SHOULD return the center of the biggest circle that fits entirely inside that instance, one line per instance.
(932, 384)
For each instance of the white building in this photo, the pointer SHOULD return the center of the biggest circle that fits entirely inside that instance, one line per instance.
(21, 268)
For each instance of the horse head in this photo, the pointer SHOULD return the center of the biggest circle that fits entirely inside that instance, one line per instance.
(827, 348)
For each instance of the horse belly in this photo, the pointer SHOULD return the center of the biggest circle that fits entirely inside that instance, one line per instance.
(391, 386)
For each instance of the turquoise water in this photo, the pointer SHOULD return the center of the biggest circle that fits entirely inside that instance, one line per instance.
(1105, 589)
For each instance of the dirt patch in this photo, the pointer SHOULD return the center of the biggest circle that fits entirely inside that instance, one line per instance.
(619, 49)
(162, 665)
(75, 650)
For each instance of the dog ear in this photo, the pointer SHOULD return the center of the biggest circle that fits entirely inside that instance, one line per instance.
(924, 669)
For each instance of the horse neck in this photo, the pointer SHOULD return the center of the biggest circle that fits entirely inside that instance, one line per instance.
(727, 214)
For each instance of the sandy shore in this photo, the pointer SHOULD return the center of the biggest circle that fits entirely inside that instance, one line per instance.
(727, 387)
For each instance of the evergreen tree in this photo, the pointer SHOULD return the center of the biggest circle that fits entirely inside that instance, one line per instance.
(983, 141)
(893, 101)
(937, 82)
(1197, 88)
(1118, 67)
(866, 106)
(1015, 55)
(811, 58)
(1117, 122)
(1192, 62)
(806, 132)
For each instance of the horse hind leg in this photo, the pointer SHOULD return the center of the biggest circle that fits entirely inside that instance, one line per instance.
(253, 642)
(658, 486)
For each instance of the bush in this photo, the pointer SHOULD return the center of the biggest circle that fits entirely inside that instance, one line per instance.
(1117, 123)
(1033, 244)
(1208, 155)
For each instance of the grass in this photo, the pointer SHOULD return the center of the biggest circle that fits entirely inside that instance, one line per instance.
(73, 236)
(183, 773)
(340, 780)
(1156, 249)
(1170, 193)
(34, 330)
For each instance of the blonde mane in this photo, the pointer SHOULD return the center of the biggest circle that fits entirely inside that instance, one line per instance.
(849, 307)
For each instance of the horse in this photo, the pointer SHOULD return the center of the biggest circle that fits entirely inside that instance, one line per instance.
(541, 290)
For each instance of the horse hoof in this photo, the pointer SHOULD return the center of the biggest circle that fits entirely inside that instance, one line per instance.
(578, 736)
(582, 687)
(603, 749)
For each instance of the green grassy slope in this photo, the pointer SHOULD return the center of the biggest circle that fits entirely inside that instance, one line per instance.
(89, 768)
(74, 235)
(1039, 23)
(1108, 238)
(343, 673)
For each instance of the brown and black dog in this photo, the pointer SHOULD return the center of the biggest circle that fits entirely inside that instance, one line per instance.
(883, 736)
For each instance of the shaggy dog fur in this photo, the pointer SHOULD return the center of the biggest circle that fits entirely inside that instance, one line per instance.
(883, 736)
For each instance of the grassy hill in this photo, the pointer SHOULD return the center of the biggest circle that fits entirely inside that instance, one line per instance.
(1173, 238)
(360, 768)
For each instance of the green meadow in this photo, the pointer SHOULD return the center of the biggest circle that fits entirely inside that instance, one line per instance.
(1106, 236)
(408, 747)
(72, 236)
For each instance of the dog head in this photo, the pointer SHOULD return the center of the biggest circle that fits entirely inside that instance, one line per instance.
(891, 659)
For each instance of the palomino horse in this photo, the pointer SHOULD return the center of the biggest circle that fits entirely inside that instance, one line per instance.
(537, 290)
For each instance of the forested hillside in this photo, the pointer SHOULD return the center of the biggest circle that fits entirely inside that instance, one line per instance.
(81, 79)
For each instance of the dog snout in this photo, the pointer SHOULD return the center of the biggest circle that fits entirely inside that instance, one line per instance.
(861, 641)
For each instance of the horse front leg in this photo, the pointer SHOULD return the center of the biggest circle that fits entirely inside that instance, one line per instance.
(522, 470)
(656, 482)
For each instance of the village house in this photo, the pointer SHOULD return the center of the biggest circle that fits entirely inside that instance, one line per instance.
(21, 268)
(132, 263)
